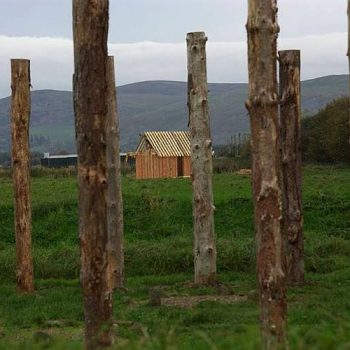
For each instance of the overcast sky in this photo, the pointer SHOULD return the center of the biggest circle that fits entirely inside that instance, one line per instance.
(147, 37)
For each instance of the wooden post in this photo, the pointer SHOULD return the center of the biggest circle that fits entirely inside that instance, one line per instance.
(115, 200)
(262, 105)
(20, 115)
(201, 161)
(290, 123)
(90, 29)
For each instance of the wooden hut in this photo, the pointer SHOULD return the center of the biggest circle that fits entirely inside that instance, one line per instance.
(162, 154)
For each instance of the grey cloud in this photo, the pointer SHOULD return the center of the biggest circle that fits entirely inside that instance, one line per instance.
(169, 20)
(52, 59)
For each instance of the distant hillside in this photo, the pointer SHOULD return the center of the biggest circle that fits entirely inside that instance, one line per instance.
(155, 105)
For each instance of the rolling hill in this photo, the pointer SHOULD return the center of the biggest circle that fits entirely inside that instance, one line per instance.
(155, 105)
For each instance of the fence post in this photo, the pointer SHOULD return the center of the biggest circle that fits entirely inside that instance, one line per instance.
(262, 105)
(290, 124)
(90, 31)
(115, 200)
(201, 161)
(20, 115)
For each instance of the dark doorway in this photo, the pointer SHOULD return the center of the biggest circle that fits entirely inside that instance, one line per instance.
(180, 166)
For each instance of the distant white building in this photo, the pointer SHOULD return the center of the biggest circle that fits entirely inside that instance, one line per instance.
(66, 160)
(59, 160)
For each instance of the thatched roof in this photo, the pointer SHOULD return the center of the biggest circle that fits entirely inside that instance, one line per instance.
(166, 143)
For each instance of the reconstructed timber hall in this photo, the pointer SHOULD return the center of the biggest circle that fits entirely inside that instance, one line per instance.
(162, 154)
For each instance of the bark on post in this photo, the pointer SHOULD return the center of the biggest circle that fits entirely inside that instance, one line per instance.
(201, 161)
(290, 124)
(20, 115)
(115, 200)
(90, 29)
(262, 104)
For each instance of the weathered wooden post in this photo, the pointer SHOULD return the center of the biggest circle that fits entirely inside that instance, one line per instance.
(262, 105)
(90, 29)
(115, 200)
(201, 161)
(20, 115)
(290, 123)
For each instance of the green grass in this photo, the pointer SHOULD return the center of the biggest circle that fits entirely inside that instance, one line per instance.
(158, 233)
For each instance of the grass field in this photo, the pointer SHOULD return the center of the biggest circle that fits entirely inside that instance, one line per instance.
(158, 233)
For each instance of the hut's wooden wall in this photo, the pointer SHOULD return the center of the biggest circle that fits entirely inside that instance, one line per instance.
(150, 166)
(187, 166)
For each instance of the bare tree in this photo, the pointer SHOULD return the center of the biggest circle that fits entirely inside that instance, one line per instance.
(201, 161)
(115, 201)
(290, 123)
(90, 29)
(20, 115)
(262, 105)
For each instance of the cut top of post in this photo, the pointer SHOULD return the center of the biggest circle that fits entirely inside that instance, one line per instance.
(19, 60)
(291, 57)
(196, 36)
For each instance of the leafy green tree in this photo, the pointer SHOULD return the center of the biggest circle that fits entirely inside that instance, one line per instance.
(325, 135)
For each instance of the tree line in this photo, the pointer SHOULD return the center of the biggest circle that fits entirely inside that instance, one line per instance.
(325, 136)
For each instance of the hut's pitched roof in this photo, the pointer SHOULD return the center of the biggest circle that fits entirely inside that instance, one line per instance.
(166, 143)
